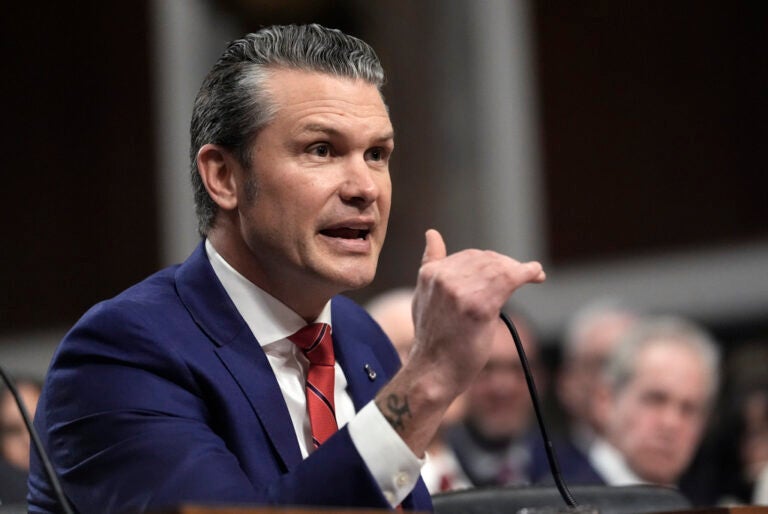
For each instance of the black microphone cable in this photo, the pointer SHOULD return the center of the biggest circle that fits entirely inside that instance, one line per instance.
(38, 444)
(553, 465)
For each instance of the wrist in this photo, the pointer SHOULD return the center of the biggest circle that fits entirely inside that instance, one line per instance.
(414, 403)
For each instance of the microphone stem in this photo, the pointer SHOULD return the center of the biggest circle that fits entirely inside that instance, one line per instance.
(35, 438)
(553, 465)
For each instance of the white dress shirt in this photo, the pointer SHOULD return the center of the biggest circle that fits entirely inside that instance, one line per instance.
(442, 472)
(760, 493)
(611, 465)
(390, 461)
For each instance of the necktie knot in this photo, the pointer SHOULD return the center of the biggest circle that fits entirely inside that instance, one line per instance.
(315, 342)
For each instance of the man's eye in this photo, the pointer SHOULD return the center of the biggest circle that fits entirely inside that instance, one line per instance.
(322, 150)
(376, 154)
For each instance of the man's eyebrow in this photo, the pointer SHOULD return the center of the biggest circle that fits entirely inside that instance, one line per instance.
(324, 129)
(330, 131)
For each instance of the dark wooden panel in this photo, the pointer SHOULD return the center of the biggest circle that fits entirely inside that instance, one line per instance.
(655, 116)
(78, 193)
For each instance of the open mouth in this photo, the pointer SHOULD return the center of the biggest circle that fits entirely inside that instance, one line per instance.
(346, 233)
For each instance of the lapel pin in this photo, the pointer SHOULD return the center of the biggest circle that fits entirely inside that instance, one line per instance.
(371, 372)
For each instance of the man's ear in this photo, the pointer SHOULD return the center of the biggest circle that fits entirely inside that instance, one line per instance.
(217, 168)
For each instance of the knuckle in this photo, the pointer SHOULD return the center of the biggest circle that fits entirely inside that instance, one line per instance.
(470, 311)
(427, 272)
(476, 307)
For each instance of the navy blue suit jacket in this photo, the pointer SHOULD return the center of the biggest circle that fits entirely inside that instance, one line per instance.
(574, 466)
(162, 396)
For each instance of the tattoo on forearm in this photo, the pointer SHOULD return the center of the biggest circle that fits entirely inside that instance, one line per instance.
(396, 410)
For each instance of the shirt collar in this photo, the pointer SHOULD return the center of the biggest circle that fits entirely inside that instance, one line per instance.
(268, 318)
(611, 465)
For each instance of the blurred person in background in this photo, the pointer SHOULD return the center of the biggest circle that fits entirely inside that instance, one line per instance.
(754, 443)
(495, 443)
(392, 310)
(659, 388)
(590, 338)
(738, 451)
(14, 440)
(15, 437)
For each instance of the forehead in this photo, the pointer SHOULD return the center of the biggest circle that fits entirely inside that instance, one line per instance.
(673, 367)
(601, 335)
(298, 95)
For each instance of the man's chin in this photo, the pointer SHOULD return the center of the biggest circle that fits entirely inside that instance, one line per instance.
(352, 274)
(653, 474)
(341, 281)
(358, 283)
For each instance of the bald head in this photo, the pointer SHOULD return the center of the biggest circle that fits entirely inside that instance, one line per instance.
(392, 311)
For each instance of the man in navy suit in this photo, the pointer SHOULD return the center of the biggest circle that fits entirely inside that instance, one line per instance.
(186, 387)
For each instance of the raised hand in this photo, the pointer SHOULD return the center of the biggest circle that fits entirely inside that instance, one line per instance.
(455, 311)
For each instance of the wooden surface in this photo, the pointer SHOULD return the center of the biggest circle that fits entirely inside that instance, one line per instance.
(207, 509)
(742, 509)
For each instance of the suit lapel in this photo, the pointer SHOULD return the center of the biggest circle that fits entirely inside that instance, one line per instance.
(249, 366)
(213, 311)
(352, 346)
(353, 339)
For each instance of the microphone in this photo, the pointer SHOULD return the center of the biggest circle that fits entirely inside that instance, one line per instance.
(551, 457)
(35, 438)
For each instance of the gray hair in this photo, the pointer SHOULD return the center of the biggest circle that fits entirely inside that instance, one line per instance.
(233, 103)
(591, 314)
(671, 330)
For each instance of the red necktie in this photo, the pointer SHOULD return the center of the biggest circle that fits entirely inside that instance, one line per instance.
(315, 342)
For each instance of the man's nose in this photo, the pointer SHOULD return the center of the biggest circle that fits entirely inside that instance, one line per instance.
(672, 417)
(359, 184)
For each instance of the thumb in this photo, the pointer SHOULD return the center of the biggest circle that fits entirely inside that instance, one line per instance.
(435, 247)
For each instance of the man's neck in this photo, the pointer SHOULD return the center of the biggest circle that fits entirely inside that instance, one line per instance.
(304, 300)
(269, 318)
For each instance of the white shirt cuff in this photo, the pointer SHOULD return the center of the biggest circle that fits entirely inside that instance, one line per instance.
(391, 462)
